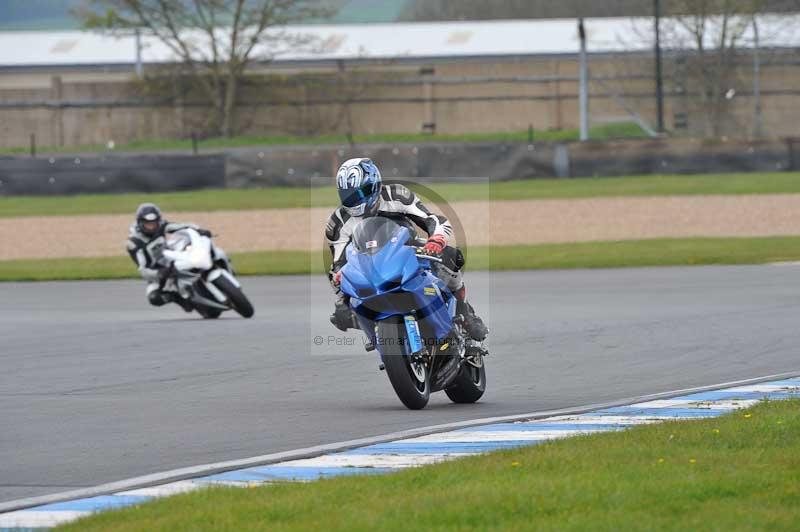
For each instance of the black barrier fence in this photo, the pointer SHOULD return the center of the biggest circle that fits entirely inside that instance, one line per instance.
(681, 157)
(445, 162)
(426, 163)
(102, 175)
(475, 162)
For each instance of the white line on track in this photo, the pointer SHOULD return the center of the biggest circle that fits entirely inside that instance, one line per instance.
(170, 480)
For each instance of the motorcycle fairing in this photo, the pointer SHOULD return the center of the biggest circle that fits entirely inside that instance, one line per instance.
(194, 254)
(390, 280)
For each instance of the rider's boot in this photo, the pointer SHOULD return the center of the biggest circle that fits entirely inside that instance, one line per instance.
(343, 317)
(173, 297)
(473, 324)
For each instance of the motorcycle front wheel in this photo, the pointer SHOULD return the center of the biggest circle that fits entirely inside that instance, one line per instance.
(409, 377)
(237, 299)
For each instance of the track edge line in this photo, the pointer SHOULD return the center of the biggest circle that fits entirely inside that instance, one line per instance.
(190, 472)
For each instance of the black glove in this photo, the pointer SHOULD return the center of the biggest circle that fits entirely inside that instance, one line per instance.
(165, 273)
(204, 232)
(342, 317)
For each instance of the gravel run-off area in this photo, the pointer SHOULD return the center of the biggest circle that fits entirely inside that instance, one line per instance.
(483, 223)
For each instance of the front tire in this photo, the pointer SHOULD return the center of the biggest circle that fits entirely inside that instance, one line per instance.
(410, 380)
(236, 297)
(469, 385)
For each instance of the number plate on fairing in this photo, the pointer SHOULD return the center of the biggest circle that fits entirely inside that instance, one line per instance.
(414, 338)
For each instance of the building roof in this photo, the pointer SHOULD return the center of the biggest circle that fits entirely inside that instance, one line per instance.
(377, 41)
(58, 15)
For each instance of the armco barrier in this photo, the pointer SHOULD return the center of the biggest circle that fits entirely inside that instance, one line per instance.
(474, 162)
(110, 174)
(434, 162)
(794, 153)
(680, 156)
(426, 162)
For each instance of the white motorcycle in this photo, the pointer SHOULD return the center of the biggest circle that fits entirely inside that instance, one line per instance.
(202, 274)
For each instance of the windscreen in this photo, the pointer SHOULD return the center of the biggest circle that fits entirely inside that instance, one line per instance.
(179, 241)
(374, 233)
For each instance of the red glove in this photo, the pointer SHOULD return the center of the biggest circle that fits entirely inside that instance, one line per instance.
(337, 278)
(435, 244)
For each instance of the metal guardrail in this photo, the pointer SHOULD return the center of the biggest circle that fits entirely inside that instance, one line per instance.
(98, 175)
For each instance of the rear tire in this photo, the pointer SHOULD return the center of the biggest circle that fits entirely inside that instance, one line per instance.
(469, 385)
(236, 297)
(413, 392)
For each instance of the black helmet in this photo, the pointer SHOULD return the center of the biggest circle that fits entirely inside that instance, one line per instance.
(148, 219)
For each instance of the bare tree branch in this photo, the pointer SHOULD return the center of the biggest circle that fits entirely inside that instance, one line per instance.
(214, 39)
(709, 35)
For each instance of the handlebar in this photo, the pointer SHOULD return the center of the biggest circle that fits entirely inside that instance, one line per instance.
(429, 257)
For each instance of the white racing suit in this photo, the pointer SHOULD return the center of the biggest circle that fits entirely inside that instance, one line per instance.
(147, 252)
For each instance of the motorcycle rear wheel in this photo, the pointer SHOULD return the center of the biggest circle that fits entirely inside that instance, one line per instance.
(469, 385)
(410, 379)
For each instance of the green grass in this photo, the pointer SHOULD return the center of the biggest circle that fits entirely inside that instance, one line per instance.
(637, 253)
(78, 269)
(737, 472)
(285, 197)
(633, 253)
(201, 200)
(604, 132)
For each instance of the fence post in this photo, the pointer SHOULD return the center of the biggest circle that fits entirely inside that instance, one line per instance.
(137, 34)
(56, 95)
(583, 98)
(758, 118)
(33, 145)
(429, 107)
(194, 143)
(659, 71)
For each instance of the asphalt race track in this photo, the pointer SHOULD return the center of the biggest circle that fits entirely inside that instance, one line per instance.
(96, 386)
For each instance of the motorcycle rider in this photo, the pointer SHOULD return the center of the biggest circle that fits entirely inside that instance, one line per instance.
(363, 195)
(146, 241)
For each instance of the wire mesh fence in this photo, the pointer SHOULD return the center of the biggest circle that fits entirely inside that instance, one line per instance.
(756, 96)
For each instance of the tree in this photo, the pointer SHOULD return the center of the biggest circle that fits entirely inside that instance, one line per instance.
(541, 9)
(514, 9)
(710, 34)
(214, 40)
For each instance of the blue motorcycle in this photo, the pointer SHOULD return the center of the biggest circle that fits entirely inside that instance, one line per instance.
(409, 316)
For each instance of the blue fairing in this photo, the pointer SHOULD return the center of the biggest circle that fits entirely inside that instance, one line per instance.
(392, 281)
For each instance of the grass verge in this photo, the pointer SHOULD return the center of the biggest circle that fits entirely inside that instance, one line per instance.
(286, 197)
(736, 472)
(631, 253)
(81, 269)
(621, 130)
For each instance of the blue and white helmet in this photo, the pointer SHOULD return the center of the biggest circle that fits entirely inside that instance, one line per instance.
(359, 184)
